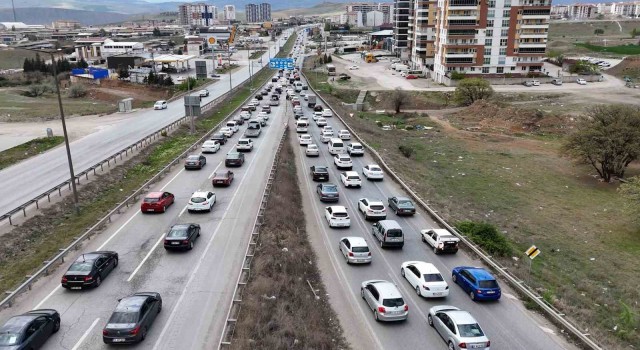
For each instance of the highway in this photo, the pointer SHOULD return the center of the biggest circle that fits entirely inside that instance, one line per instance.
(196, 286)
(507, 323)
(35, 175)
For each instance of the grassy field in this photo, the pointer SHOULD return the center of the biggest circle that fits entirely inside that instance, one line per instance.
(518, 182)
(564, 35)
(13, 59)
(28, 149)
(16, 107)
(256, 54)
(619, 49)
(293, 319)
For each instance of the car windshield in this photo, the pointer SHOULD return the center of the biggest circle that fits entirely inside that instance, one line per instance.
(124, 317)
(433, 277)
(405, 203)
(243, 142)
(312, 147)
(360, 249)
(394, 233)
(233, 156)
(396, 302)
(376, 207)
(198, 199)
(470, 330)
(487, 284)
(374, 168)
(330, 188)
(340, 215)
(356, 146)
(344, 159)
(193, 158)
(151, 200)
(356, 177)
(217, 136)
(81, 266)
(7, 339)
(178, 231)
(254, 125)
(321, 169)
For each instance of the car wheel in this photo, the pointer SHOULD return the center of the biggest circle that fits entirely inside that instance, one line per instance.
(451, 346)
(375, 316)
(362, 292)
(436, 251)
(115, 263)
(381, 244)
(430, 320)
(143, 335)
(164, 208)
(160, 307)
(190, 245)
(366, 217)
(56, 326)
(395, 211)
(98, 281)
(472, 296)
(346, 259)
(422, 237)
(418, 291)
(454, 278)
(402, 272)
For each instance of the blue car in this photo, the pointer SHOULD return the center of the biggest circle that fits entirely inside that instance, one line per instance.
(478, 282)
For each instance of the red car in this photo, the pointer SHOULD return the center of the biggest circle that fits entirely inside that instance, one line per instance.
(157, 202)
(222, 179)
(411, 76)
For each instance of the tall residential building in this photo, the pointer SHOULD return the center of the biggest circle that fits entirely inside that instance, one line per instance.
(479, 37)
(422, 34)
(581, 11)
(386, 8)
(197, 14)
(258, 12)
(229, 12)
(401, 11)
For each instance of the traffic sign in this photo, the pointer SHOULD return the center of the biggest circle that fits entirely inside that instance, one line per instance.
(281, 63)
(532, 252)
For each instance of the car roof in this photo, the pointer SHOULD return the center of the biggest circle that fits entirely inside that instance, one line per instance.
(356, 241)
(460, 317)
(350, 173)
(343, 155)
(131, 303)
(194, 156)
(88, 257)
(441, 231)
(387, 289)
(180, 226)
(338, 208)
(200, 194)
(244, 139)
(16, 323)
(401, 198)
(479, 273)
(424, 267)
(154, 195)
(161, 101)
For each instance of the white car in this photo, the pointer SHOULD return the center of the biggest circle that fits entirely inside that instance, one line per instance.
(355, 250)
(337, 216)
(354, 67)
(327, 128)
(355, 149)
(396, 60)
(581, 81)
(245, 115)
(210, 146)
(321, 122)
(425, 279)
(244, 145)
(372, 209)
(441, 240)
(226, 131)
(460, 328)
(327, 113)
(312, 150)
(180, 79)
(233, 126)
(344, 135)
(326, 136)
(264, 115)
(535, 82)
(305, 139)
(317, 115)
(350, 178)
(203, 93)
(201, 201)
(372, 172)
(343, 161)
(162, 104)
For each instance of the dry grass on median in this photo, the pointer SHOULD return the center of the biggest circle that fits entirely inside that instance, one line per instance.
(279, 310)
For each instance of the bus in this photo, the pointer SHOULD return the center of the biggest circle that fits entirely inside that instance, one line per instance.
(331, 69)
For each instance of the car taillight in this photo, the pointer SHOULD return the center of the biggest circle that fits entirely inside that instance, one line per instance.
(369, 254)
(88, 278)
(105, 332)
(462, 345)
(447, 287)
(406, 307)
(350, 254)
(186, 241)
(166, 242)
(384, 209)
(381, 309)
(64, 280)
(425, 287)
(135, 331)
(488, 343)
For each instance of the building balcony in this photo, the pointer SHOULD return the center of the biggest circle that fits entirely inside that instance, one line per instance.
(543, 17)
(522, 45)
(533, 35)
(461, 54)
(462, 17)
(463, 3)
(534, 26)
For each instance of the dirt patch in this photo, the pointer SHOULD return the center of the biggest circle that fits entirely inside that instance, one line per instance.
(629, 67)
(279, 310)
(112, 91)
(416, 100)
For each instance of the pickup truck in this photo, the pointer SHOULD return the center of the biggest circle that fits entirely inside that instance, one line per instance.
(440, 240)
(222, 179)
(311, 101)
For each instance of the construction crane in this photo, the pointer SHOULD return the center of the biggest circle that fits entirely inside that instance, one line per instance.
(232, 36)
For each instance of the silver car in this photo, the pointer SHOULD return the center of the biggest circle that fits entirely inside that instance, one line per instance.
(458, 328)
(355, 250)
(385, 300)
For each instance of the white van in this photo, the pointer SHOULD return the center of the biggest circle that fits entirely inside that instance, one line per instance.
(401, 68)
(298, 86)
(336, 146)
(302, 126)
(233, 125)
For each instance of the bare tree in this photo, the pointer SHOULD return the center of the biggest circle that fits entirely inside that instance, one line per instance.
(399, 99)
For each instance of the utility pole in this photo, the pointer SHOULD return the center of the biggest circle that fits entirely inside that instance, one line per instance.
(14, 11)
(229, 58)
(192, 125)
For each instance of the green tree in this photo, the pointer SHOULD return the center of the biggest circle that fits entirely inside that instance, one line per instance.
(399, 99)
(598, 31)
(83, 63)
(102, 32)
(471, 90)
(151, 79)
(13, 28)
(123, 72)
(156, 32)
(608, 139)
(635, 32)
(583, 67)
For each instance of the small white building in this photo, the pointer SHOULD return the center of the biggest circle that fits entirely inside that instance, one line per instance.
(374, 18)
(112, 48)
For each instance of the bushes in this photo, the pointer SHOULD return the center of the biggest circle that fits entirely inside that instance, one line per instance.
(38, 90)
(406, 151)
(77, 90)
(486, 236)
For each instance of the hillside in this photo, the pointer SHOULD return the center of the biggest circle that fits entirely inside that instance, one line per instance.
(44, 15)
(321, 9)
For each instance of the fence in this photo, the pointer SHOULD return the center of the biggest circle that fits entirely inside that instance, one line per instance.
(513, 280)
(520, 80)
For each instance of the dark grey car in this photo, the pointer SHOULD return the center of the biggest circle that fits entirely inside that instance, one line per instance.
(132, 318)
(181, 236)
(29, 330)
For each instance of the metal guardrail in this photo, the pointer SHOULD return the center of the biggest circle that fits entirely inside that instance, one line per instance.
(513, 280)
(49, 264)
(145, 141)
(243, 277)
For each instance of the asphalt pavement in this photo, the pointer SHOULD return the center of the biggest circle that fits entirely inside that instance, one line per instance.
(508, 324)
(196, 286)
(40, 173)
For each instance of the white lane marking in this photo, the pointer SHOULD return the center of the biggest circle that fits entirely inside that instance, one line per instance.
(48, 296)
(86, 334)
(201, 259)
(216, 169)
(145, 258)
(173, 178)
(182, 212)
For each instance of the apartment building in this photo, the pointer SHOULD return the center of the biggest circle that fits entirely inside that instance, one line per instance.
(258, 12)
(365, 8)
(229, 12)
(402, 9)
(626, 9)
(65, 24)
(197, 14)
(422, 34)
(490, 37)
(582, 11)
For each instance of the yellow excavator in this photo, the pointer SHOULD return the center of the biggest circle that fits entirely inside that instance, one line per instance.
(369, 58)
(232, 36)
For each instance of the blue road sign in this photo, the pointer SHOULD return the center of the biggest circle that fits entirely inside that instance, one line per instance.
(281, 63)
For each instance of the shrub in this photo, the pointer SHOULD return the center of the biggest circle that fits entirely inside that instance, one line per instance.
(379, 123)
(406, 151)
(409, 127)
(163, 133)
(77, 90)
(38, 90)
(486, 236)
(455, 75)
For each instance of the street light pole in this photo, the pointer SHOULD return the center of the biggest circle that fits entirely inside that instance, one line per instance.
(229, 58)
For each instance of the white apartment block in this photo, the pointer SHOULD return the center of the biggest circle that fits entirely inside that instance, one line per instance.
(582, 11)
(374, 18)
(386, 8)
(479, 37)
(626, 9)
(229, 13)
(197, 14)
(422, 34)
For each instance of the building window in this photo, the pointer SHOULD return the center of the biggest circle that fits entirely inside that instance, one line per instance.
(506, 13)
(487, 60)
(501, 60)
(513, 68)
(500, 70)
(488, 42)
(504, 32)
(524, 68)
(485, 70)
(492, 3)
(491, 13)
(488, 32)
(503, 51)
(487, 51)
(472, 69)
(490, 23)
(503, 42)
(505, 23)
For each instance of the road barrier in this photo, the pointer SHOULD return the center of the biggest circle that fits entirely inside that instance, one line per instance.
(513, 280)
(132, 199)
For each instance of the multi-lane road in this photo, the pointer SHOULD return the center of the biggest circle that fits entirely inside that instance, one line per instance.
(35, 175)
(196, 286)
(508, 324)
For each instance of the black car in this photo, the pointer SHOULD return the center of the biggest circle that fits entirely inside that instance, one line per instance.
(132, 318)
(258, 97)
(89, 270)
(318, 108)
(328, 192)
(220, 137)
(195, 161)
(182, 236)
(234, 159)
(402, 205)
(29, 330)
(279, 90)
(274, 80)
(264, 92)
(320, 173)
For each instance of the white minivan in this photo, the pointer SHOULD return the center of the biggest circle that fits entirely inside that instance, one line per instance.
(302, 126)
(336, 146)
